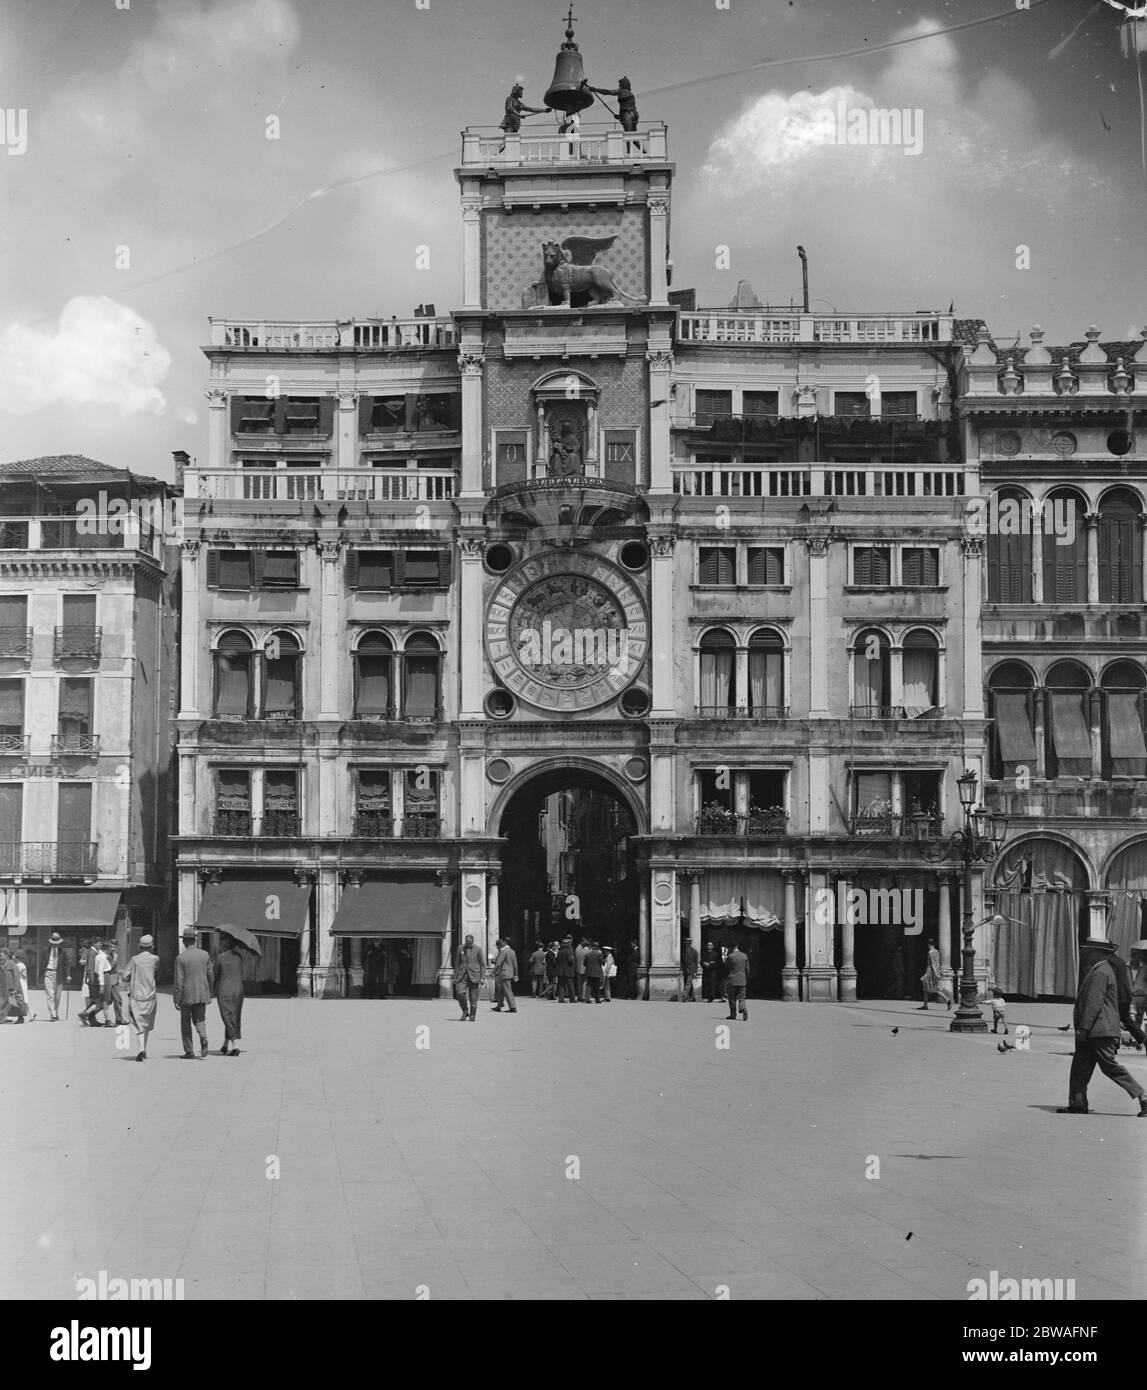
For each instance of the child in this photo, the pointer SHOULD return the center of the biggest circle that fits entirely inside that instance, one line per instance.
(999, 1010)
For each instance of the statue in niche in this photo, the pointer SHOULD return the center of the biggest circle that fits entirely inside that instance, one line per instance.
(566, 456)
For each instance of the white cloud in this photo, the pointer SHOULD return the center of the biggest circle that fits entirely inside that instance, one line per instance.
(101, 353)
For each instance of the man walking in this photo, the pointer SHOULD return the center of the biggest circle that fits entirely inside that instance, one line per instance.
(579, 971)
(139, 981)
(538, 970)
(57, 965)
(932, 981)
(594, 971)
(111, 995)
(1097, 1023)
(632, 971)
(608, 973)
(469, 967)
(194, 986)
(552, 970)
(690, 961)
(567, 972)
(505, 973)
(737, 981)
(97, 967)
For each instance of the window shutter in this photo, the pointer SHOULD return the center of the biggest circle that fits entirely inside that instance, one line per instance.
(365, 413)
(411, 423)
(258, 567)
(930, 566)
(707, 569)
(398, 562)
(882, 566)
(862, 565)
(1024, 578)
(444, 558)
(757, 566)
(352, 569)
(238, 404)
(213, 569)
(910, 567)
(326, 414)
(774, 566)
(1136, 575)
(280, 417)
(726, 566)
(994, 569)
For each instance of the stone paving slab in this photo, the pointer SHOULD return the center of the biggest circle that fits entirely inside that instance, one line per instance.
(618, 1152)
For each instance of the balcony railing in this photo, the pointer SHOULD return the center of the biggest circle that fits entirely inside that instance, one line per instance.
(282, 823)
(729, 712)
(78, 643)
(418, 826)
(763, 325)
(818, 480)
(896, 825)
(337, 484)
(770, 822)
(373, 825)
(65, 533)
(48, 859)
(13, 745)
(75, 745)
(595, 144)
(229, 822)
(15, 641)
(895, 712)
(330, 335)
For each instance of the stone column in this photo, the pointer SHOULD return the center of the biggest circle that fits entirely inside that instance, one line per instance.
(305, 973)
(820, 976)
(694, 880)
(449, 939)
(472, 547)
(493, 916)
(1091, 522)
(646, 951)
(188, 799)
(944, 930)
(660, 361)
(847, 946)
(970, 628)
(1037, 558)
(218, 428)
(980, 934)
(470, 362)
(1097, 900)
(346, 445)
(355, 982)
(790, 975)
(664, 931)
(332, 633)
(661, 643)
(471, 252)
(818, 626)
(658, 205)
(1095, 729)
(192, 640)
(1039, 722)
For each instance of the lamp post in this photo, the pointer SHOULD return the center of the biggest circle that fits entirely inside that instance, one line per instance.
(978, 841)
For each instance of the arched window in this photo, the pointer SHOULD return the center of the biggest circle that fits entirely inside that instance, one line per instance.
(1120, 548)
(1064, 548)
(1124, 752)
(718, 671)
(282, 684)
(234, 677)
(421, 657)
(921, 673)
(1012, 738)
(1068, 732)
(1010, 548)
(374, 677)
(871, 674)
(766, 672)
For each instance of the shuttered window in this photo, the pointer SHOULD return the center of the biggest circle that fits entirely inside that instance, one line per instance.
(281, 569)
(898, 403)
(421, 570)
(920, 567)
(872, 565)
(717, 565)
(852, 403)
(713, 404)
(75, 706)
(11, 708)
(766, 565)
(759, 403)
(232, 569)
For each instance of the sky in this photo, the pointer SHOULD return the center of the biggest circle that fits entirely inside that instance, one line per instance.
(141, 193)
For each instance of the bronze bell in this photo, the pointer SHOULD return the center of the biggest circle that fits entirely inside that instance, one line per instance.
(565, 92)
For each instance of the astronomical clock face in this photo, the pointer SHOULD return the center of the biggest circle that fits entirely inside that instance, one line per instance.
(567, 632)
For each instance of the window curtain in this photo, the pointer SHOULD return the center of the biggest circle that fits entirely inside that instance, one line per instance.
(717, 677)
(1127, 884)
(263, 967)
(1036, 948)
(427, 959)
(868, 678)
(282, 677)
(920, 673)
(373, 684)
(12, 706)
(11, 812)
(234, 684)
(766, 678)
(421, 695)
(1070, 733)
(724, 892)
(1125, 735)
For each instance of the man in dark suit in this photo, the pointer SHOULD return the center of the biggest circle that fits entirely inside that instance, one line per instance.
(710, 972)
(469, 967)
(737, 981)
(594, 971)
(194, 986)
(505, 973)
(567, 972)
(690, 961)
(57, 968)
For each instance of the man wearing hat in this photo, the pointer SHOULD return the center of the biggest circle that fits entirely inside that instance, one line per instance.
(194, 986)
(139, 981)
(57, 967)
(1102, 1003)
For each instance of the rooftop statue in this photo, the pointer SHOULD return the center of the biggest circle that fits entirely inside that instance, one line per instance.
(626, 101)
(515, 108)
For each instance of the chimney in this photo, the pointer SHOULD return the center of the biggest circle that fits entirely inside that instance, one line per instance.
(182, 460)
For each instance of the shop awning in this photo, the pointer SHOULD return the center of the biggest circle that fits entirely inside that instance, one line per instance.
(1017, 744)
(49, 907)
(1128, 752)
(1070, 734)
(268, 906)
(393, 907)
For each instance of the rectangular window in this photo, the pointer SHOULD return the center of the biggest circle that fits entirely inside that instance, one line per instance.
(852, 403)
(438, 412)
(371, 569)
(421, 801)
(13, 535)
(253, 415)
(11, 716)
(13, 625)
(281, 569)
(301, 415)
(421, 569)
(717, 565)
(767, 565)
(872, 793)
(716, 789)
(386, 414)
(281, 802)
(11, 823)
(898, 403)
(372, 813)
(766, 788)
(759, 403)
(75, 707)
(74, 825)
(921, 792)
(920, 567)
(232, 801)
(872, 565)
(234, 569)
(713, 404)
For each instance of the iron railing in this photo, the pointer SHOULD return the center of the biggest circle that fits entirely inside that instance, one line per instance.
(48, 858)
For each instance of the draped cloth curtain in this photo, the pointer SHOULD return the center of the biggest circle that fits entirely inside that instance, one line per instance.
(717, 677)
(266, 966)
(919, 679)
(762, 894)
(766, 678)
(1035, 949)
(1127, 885)
(420, 697)
(233, 676)
(868, 678)
(373, 684)
(427, 959)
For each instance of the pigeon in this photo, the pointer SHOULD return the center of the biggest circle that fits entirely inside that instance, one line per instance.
(1066, 1028)
(895, 1031)
(1005, 1047)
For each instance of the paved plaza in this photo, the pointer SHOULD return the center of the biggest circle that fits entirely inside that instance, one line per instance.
(566, 1153)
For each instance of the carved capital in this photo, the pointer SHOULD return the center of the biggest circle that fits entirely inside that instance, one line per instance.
(470, 363)
(973, 546)
(191, 549)
(658, 204)
(472, 547)
(445, 877)
(660, 361)
(216, 397)
(661, 546)
(207, 876)
(329, 550)
(818, 545)
(493, 875)
(347, 400)
(350, 878)
(304, 876)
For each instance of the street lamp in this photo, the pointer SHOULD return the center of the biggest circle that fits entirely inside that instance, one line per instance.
(978, 841)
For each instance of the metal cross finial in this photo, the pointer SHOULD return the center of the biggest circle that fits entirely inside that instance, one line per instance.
(570, 22)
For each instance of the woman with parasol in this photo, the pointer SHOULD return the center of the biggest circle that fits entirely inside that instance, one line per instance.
(229, 983)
